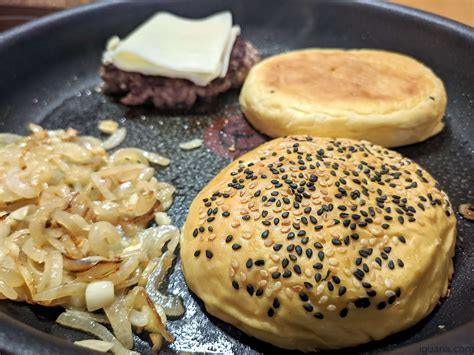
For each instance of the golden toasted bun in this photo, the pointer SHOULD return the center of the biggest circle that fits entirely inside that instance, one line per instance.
(386, 98)
(313, 243)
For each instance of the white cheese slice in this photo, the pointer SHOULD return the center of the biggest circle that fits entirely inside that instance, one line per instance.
(175, 47)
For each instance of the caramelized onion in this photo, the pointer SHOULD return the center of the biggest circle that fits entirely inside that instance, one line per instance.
(71, 224)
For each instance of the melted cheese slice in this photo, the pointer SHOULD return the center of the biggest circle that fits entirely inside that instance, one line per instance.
(175, 47)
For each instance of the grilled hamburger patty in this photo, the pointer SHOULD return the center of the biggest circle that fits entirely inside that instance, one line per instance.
(163, 92)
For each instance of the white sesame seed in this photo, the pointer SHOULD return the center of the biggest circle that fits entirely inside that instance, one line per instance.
(308, 272)
(234, 263)
(333, 261)
(263, 273)
(323, 300)
(277, 285)
(319, 289)
(268, 242)
(273, 269)
(268, 291)
(247, 235)
(356, 282)
(275, 257)
(331, 308)
(389, 293)
(376, 266)
(388, 283)
(243, 276)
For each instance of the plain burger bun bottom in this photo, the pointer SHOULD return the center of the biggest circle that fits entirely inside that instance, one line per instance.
(315, 243)
(383, 97)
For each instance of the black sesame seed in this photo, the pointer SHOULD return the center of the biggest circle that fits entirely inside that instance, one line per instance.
(226, 214)
(259, 262)
(235, 285)
(276, 303)
(391, 265)
(299, 250)
(362, 302)
(285, 262)
(381, 305)
(400, 263)
(277, 247)
(276, 275)
(270, 312)
(392, 299)
(236, 246)
(359, 274)
(336, 279)
(209, 254)
(330, 286)
(402, 239)
(297, 269)
(344, 312)
(249, 263)
(229, 238)
(342, 290)
(336, 241)
(197, 253)
(355, 236)
(195, 233)
(371, 293)
(318, 266)
(318, 315)
(308, 307)
(304, 297)
(286, 274)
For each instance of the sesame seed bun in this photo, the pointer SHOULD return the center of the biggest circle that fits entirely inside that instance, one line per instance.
(386, 98)
(314, 243)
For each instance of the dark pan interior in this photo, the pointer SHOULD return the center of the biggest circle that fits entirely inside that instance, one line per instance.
(48, 74)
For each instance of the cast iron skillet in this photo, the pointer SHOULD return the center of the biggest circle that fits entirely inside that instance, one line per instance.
(48, 72)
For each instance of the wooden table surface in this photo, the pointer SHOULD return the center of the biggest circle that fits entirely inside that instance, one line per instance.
(15, 12)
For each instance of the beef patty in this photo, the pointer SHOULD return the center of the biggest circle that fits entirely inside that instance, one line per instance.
(136, 89)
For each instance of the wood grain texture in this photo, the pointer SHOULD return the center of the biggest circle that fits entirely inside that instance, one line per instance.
(458, 10)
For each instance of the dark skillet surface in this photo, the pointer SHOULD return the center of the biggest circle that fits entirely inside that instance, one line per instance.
(48, 72)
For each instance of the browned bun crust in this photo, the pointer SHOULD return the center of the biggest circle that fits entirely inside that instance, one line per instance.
(384, 97)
